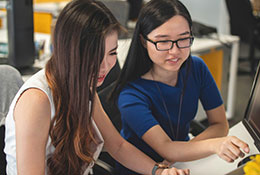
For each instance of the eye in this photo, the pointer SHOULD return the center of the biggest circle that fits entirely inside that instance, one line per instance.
(113, 53)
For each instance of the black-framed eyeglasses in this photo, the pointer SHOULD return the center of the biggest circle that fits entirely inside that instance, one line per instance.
(166, 45)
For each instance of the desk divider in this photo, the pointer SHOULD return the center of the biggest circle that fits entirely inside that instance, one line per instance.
(214, 61)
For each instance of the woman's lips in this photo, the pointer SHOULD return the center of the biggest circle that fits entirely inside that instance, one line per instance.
(173, 60)
(101, 78)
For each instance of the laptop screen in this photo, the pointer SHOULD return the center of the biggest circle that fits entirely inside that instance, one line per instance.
(252, 114)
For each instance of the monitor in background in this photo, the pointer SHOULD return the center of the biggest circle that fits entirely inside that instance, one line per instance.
(21, 51)
(252, 115)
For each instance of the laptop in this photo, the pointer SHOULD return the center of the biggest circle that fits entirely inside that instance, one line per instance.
(251, 119)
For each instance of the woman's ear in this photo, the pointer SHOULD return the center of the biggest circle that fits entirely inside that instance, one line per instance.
(143, 41)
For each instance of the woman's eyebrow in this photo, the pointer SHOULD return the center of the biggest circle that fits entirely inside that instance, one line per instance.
(185, 33)
(114, 49)
(164, 36)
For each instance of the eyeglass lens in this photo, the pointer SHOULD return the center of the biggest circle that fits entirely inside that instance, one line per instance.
(166, 45)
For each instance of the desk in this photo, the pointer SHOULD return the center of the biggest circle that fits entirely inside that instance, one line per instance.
(52, 7)
(37, 37)
(213, 165)
(2, 4)
(44, 13)
(39, 63)
(201, 46)
(204, 44)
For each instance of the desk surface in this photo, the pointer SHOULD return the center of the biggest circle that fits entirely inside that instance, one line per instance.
(213, 165)
(52, 7)
(2, 4)
(205, 43)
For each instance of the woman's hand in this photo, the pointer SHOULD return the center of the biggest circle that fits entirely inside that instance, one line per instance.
(174, 171)
(230, 148)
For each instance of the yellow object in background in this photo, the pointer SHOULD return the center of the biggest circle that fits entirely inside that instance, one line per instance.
(214, 61)
(42, 22)
(252, 167)
(256, 5)
(44, 1)
(2, 13)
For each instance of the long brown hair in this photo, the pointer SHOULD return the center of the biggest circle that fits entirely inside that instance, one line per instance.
(72, 71)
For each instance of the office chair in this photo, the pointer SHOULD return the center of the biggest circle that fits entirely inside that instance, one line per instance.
(111, 77)
(2, 154)
(244, 24)
(11, 81)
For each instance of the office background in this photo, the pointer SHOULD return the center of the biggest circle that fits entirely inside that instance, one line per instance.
(215, 13)
(212, 13)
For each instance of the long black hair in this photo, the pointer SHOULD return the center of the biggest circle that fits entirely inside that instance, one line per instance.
(153, 14)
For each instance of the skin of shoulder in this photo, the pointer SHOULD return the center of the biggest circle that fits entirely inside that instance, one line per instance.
(32, 115)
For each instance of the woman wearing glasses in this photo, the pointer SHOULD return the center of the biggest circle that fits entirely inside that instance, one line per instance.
(160, 86)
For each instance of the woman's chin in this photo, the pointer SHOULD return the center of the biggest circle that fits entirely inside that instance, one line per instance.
(99, 83)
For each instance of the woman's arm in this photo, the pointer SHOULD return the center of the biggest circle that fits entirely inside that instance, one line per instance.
(135, 109)
(228, 148)
(123, 151)
(218, 124)
(32, 116)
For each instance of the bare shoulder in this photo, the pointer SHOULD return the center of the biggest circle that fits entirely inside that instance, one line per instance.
(32, 115)
(33, 103)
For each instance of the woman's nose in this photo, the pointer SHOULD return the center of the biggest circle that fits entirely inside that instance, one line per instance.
(174, 48)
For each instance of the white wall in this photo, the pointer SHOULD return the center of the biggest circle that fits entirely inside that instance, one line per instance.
(210, 12)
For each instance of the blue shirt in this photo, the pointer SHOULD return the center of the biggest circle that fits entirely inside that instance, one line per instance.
(141, 104)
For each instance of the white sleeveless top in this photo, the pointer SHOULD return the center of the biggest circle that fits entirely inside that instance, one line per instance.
(37, 81)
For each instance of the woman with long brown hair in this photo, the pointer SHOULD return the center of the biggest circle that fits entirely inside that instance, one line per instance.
(56, 124)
